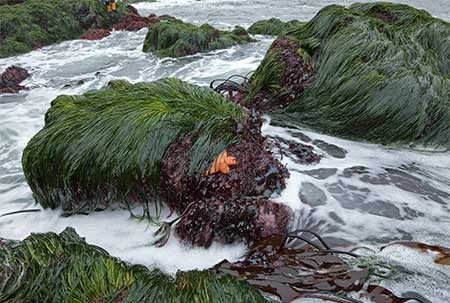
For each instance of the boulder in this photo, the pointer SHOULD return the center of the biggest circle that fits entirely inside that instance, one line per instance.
(174, 38)
(95, 34)
(135, 22)
(375, 72)
(11, 78)
(152, 143)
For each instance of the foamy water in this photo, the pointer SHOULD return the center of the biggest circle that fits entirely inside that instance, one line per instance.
(371, 196)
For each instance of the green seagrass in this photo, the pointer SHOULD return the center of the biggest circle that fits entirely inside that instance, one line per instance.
(382, 74)
(35, 23)
(174, 38)
(64, 268)
(107, 145)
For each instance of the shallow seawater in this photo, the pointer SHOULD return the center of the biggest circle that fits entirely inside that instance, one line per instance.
(359, 194)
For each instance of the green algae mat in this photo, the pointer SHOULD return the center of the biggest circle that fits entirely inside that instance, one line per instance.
(174, 38)
(64, 268)
(107, 145)
(381, 73)
(36, 23)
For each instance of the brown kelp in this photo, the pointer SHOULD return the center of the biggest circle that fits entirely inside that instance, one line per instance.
(175, 38)
(293, 266)
(380, 73)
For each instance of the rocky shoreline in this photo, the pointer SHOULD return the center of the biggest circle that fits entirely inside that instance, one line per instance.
(201, 154)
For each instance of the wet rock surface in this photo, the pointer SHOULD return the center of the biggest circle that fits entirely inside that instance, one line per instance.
(134, 22)
(96, 34)
(296, 74)
(237, 200)
(331, 149)
(352, 197)
(312, 195)
(230, 221)
(320, 173)
(11, 78)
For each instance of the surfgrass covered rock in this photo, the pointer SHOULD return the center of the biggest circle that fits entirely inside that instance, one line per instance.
(272, 27)
(174, 38)
(376, 72)
(149, 145)
(64, 268)
(34, 23)
(107, 145)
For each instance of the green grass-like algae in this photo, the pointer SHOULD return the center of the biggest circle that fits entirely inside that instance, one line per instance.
(36, 23)
(107, 145)
(382, 74)
(175, 38)
(64, 268)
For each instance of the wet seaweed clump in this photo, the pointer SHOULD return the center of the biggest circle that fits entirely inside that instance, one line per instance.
(375, 72)
(174, 38)
(283, 76)
(64, 268)
(33, 23)
(153, 144)
(272, 27)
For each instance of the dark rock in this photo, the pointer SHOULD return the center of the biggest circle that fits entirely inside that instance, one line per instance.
(304, 153)
(301, 136)
(11, 78)
(232, 220)
(356, 198)
(135, 22)
(321, 173)
(220, 196)
(295, 75)
(331, 149)
(312, 195)
(96, 34)
(354, 170)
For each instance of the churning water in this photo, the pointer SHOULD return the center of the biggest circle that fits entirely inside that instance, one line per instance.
(360, 193)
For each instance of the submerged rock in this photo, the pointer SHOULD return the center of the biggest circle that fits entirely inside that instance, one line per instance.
(11, 78)
(312, 195)
(174, 38)
(375, 71)
(34, 23)
(272, 27)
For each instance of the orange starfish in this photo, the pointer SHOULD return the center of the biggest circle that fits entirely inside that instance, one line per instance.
(222, 164)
